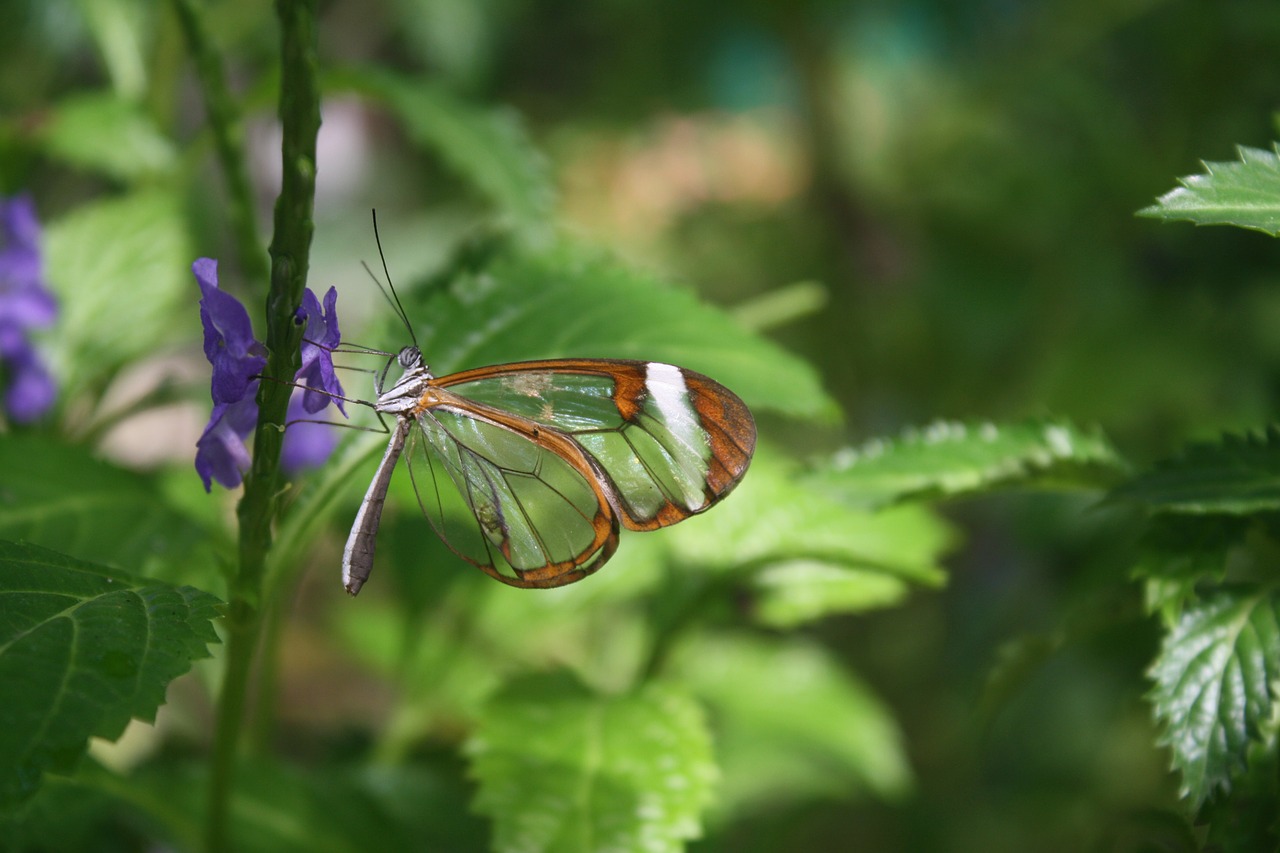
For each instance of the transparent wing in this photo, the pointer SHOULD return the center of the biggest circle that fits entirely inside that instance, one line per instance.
(523, 503)
(672, 442)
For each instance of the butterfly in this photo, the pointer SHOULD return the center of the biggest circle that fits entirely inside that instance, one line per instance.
(529, 470)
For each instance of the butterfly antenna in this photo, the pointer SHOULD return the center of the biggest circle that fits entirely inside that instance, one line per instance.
(393, 298)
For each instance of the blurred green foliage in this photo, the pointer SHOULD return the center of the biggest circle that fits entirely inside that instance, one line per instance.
(929, 205)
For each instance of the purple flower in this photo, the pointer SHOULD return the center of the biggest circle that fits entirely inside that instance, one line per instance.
(25, 303)
(220, 452)
(318, 342)
(238, 360)
(236, 356)
(306, 444)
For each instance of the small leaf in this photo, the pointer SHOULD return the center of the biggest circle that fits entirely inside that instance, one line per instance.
(946, 459)
(791, 723)
(82, 650)
(1244, 193)
(1237, 476)
(108, 134)
(561, 769)
(1216, 679)
(488, 147)
(573, 302)
(800, 591)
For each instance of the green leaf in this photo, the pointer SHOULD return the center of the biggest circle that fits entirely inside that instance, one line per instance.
(1216, 679)
(574, 302)
(1244, 193)
(1178, 552)
(1237, 476)
(774, 518)
(946, 459)
(82, 650)
(486, 146)
(799, 591)
(60, 496)
(122, 271)
(108, 134)
(562, 769)
(791, 723)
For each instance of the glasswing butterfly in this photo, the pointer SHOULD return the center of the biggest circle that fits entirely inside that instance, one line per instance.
(528, 470)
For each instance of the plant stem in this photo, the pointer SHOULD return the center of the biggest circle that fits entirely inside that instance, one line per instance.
(290, 251)
(228, 137)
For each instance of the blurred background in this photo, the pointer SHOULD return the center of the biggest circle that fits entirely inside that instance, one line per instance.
(931, 202)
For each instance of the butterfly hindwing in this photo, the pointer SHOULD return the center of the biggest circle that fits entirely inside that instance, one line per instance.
(534, 512)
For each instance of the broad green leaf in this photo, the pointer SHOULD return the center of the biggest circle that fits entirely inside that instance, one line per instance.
(791, 724)
(1238, 475)
(121, 270)
(486, 146)
(571, 301)
(82, 650)
(773, 517)
(946, 459)
(60, 496)
(562, 769)
(108, 134)
(1216, 681)
(1245, 193)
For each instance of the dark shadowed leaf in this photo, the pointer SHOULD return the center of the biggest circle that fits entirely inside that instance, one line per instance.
(1238, 475)
(82, 650)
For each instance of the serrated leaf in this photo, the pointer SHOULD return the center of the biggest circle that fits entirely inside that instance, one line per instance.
(82, 650)
(105, 133)
(773, 517)
(1245, 193)
(1237, 476)
(573, 302)
(60, 496)
(1215, 686)
(1177, 552)
(946, 459)
(791, 723)
(562, 769)
(486, 146)
(121, 271)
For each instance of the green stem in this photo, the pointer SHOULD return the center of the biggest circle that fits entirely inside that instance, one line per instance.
(228, 136)
(290, 252)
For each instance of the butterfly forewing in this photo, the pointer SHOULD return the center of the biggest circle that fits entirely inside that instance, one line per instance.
(671, 442)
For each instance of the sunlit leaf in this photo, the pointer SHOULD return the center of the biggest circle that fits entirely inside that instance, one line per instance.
(1238, 475)
(121, 270)
(949, 458)
(572, 301)
(793, 593)
(1245, 193)
(82, 650)
(561, 769)
(791, 723)
(105, 133)
(774, 517)
(1216, 681)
